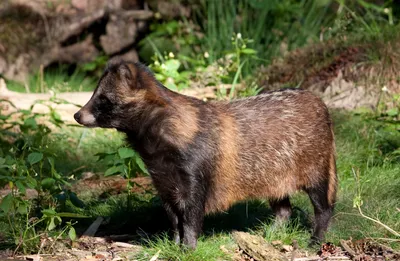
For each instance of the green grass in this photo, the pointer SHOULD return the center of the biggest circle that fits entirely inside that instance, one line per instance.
(277, 27)
(271, 24)
(208, 248)
(74, 148)
(55, 79)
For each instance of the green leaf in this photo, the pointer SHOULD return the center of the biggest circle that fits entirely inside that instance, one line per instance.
(49, 212)
(6, 203)
(4, 117)
(72, 233)
(56, 116)
(113, 170)
(160, 77)
(89, 66)
(172, 65)
(248, 51)
(141, 165)
(52, 224)
(235, 79)
(48, 183)
(35, 157)
(103, 155)
(31, 182)
(22, 208)
(25, 112)
(20, 186)
(393, 112)
(2, 161)
(172, 86)
(51, 162)
(126, 153)
(30, 122)
(72, 215)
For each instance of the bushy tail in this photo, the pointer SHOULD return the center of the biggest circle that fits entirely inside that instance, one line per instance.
(332, 181)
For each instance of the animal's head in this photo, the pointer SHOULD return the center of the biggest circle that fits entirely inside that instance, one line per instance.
(124, 92)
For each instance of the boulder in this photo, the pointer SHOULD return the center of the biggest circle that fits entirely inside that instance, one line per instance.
(120, 34)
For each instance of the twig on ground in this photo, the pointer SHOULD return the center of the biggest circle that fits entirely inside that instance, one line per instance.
(155, 257)
(317, 258)
(346, 247)
(358, 205)
(91, 231)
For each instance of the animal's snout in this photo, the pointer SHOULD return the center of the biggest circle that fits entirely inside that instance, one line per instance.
(77, 116)
(86, 118)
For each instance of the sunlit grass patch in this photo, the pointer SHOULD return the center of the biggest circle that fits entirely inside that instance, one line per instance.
(210, 248)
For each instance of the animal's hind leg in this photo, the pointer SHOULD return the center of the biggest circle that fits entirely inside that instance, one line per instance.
(323, 210)
(282, 209)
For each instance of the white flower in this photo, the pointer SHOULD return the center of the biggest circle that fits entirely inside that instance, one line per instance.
(157, 63)
(386, 10)
(385, 89)
(206, 55)
(239, 36)
(163, 66)
(171, 55)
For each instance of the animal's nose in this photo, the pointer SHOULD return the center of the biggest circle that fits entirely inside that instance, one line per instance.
(77, 116)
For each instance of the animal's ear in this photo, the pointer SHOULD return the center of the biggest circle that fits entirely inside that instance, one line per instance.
(128, 74)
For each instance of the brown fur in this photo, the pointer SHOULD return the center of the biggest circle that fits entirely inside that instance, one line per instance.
(225, 190)
(282, 162)
(332, 188)
(184, 124)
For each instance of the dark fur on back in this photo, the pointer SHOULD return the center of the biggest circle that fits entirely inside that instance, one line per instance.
(203, 157)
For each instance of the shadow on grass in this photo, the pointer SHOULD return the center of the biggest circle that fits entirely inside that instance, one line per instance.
(146, 220)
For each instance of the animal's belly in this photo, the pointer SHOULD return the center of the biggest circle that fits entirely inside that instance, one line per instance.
(226, 192)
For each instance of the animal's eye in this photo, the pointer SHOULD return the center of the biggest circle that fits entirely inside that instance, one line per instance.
(104, 99)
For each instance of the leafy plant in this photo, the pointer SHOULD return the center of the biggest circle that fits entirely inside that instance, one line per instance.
(183, 37)
(25, 164)
(388, 107)
(166, 70)
(125, 162)
(95, 67)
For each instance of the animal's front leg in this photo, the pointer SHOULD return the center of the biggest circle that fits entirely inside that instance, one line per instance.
(190, 199)
(192, 223)
(173, 217)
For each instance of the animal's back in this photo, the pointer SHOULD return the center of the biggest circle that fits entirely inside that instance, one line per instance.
(271, 146)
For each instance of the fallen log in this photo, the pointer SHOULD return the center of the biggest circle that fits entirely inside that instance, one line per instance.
(257, 248)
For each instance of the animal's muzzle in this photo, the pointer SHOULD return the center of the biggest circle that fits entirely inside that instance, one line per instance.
(77, 116)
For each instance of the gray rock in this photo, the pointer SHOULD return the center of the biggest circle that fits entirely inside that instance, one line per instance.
(131, 56)
(120, 34)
